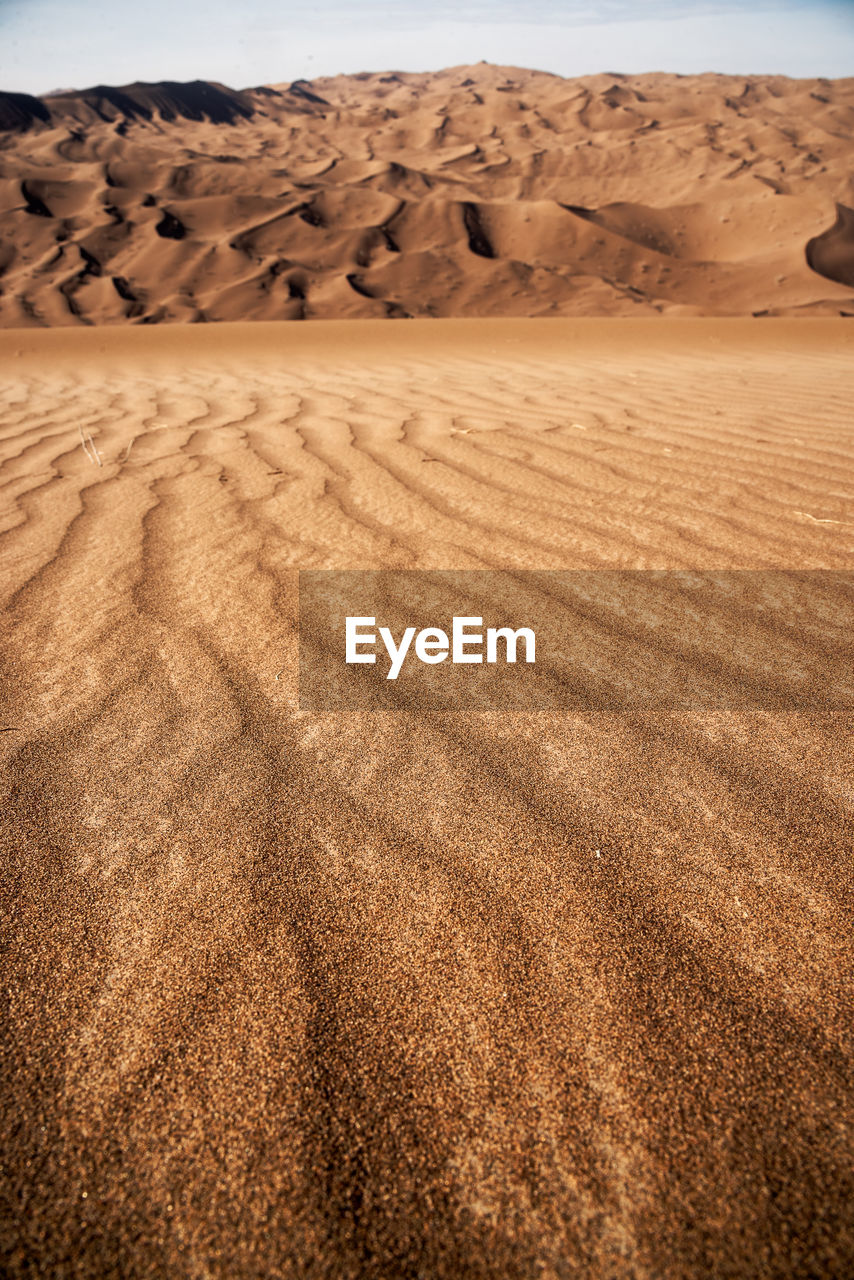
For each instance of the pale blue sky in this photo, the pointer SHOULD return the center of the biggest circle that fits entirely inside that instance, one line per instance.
(48, 44)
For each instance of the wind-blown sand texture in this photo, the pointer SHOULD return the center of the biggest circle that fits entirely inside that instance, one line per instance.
(478, 191)
(380, 995)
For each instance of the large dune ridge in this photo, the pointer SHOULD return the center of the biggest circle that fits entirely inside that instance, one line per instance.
(475, 191)
(386, 995)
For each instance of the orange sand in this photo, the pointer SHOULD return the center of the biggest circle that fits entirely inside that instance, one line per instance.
(388, 995)
(477, 191)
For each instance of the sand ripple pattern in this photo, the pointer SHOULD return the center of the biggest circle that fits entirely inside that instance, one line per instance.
(378, 995)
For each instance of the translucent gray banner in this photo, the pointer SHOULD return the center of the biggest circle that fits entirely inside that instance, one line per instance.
(603, 640)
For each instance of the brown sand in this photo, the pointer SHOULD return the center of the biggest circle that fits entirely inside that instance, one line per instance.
(379, 995)
(477, 191)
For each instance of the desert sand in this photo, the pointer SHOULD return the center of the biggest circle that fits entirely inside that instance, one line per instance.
(387, 995)
(477, 191)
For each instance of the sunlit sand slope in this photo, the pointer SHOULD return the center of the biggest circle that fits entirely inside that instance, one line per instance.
(474, 191)
(377, 995)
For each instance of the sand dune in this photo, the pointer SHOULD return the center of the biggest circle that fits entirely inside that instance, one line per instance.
(832, 253)
(476, 191)
(381, 995)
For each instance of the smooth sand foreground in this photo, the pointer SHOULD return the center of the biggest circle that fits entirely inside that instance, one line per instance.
(389, 995)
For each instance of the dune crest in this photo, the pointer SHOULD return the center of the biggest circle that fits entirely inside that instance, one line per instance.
(474, 191)
(832, 253)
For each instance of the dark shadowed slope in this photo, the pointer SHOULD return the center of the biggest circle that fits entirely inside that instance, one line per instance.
(832, 253)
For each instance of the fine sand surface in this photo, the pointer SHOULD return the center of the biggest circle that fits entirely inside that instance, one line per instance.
(474, 191)
(395, 995)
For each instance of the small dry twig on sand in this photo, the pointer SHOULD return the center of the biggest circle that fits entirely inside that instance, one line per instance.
(94, 457)
(126, 454)
(824, 520)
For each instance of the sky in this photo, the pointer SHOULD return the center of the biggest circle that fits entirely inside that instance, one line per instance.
(53, 44)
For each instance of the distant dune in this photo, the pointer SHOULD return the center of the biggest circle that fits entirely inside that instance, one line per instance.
(832, 253)
(476, 191)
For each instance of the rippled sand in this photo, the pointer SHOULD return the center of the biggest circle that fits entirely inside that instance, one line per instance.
(389, 995)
